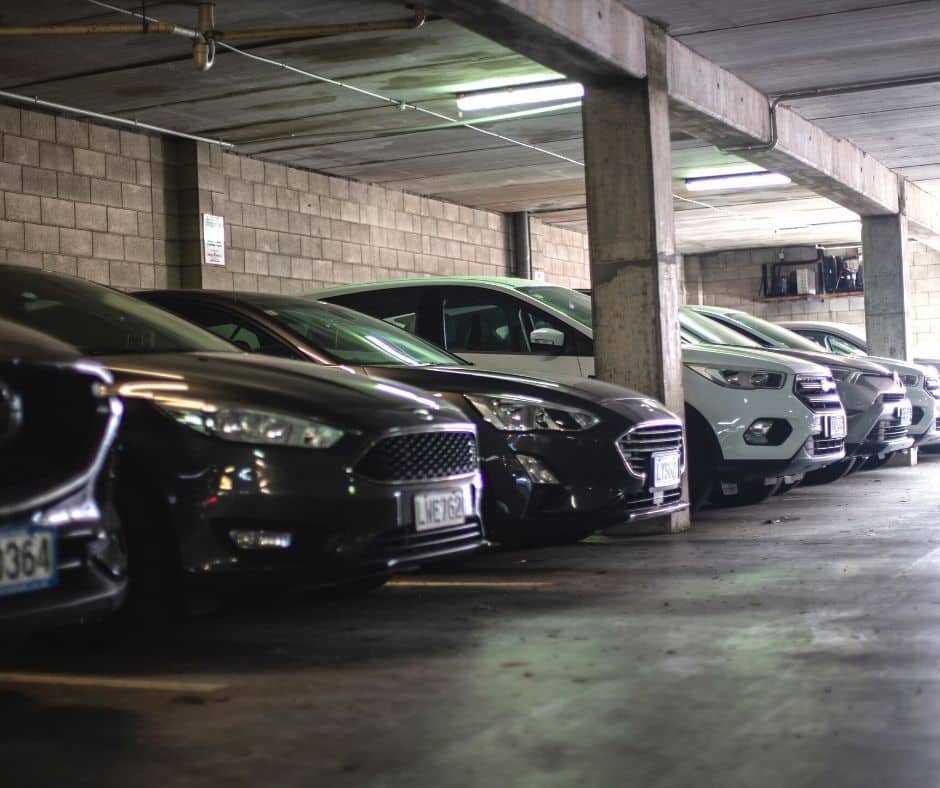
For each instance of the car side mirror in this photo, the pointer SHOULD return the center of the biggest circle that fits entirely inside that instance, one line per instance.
(549, 338)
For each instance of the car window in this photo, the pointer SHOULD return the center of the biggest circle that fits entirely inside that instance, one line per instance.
(843, 347)
(572, 303)
(229, 325)
(398, 305)
(816, 336)
(477, 320)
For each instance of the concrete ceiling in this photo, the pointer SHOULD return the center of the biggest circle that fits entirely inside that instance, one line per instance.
(284, 116)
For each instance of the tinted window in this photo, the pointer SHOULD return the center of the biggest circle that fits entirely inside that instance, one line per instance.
(477, 320)
(767, 333)
(350, 337)
(843, 347)
(97, 319)
(397, 305)
(231, 326)
(700, 329)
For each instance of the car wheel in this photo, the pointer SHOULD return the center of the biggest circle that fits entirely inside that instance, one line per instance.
(703, 459)
(748, 494)
(831, 473)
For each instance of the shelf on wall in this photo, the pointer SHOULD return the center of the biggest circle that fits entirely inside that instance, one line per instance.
(810, 296)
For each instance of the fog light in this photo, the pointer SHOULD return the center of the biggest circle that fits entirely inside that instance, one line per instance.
(767, 432)
(261, 540)
(536, 471)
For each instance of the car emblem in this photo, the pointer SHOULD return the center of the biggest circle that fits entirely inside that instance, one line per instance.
(424, 414)
(11, 414)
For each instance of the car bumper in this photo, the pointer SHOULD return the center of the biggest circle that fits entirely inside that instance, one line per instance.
(595, 488)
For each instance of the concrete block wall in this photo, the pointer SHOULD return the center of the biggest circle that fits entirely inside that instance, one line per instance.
(83, 199)
(733, 279)
(122, 208)
(560, 254)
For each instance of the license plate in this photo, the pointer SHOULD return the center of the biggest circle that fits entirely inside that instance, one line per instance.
(837, 427)
(27, 560)
(905, 416)
(666, 470)
(440, 509)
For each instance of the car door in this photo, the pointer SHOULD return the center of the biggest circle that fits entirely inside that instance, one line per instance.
(496, 330)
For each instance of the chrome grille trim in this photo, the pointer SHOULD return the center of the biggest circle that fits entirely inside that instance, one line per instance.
(638, 444)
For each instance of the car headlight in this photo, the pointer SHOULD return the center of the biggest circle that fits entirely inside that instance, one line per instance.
(741, 378)
(521, 414)
(252, 425)
(910, 380)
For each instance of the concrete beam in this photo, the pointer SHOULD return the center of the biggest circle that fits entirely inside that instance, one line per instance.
(599, 40)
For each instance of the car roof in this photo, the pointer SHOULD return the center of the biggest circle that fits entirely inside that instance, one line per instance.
(843, 328)
(495, 282)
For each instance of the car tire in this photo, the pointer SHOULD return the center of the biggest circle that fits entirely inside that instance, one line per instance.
(704, 455)
(748, 494)
(831, 473)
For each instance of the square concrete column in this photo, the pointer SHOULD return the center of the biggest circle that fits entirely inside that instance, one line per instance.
(635, 272)
(200, 187)
(887, 269)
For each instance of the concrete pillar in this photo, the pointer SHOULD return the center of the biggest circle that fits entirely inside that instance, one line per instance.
(888, 312)
(521, 245)
(200, 187)
(634, 267)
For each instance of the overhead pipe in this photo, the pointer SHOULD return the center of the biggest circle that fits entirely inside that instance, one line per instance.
(521, 245)
(318, 31)
(832, 90)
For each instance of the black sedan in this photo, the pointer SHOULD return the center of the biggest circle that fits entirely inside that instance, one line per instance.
(241, 468)
(560, 461)
(62, 558)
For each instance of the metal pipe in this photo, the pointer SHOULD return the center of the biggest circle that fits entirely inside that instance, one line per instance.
(521, 245)
(87, 113)
(122, 28)
(316, 31)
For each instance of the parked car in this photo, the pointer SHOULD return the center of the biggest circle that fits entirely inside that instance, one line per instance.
(237, 468)
(876, 402)
(559, 461)
(752, 418)
(62, 558)
(921, 380)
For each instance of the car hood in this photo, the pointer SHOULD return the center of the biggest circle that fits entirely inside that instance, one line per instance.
(19, 342)
(571, 391)
(726, 355)
(861, 364)
(336, 394)
(902, 367)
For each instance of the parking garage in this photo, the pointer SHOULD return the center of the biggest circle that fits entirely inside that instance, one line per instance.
(723, 159)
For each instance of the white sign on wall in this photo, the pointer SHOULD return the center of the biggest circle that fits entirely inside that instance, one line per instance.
(213, 233)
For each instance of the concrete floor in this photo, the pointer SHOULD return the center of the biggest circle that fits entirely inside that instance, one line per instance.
(792, 644)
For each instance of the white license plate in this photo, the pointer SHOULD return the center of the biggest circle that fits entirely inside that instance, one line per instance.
(837, 427)
(905, 416)
(666, 470)
(440, 509)
(27, 560)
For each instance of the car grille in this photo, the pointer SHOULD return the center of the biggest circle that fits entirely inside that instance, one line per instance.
(824, 446)
(403, 546)
(421, 456)
(65, 419)
(643, 441)
(817, 392)
(888, 430)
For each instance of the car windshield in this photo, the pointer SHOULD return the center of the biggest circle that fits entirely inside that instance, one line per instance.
(569, 302)
(353, 338)
(767, 333)
(699, 329)
(97, 320)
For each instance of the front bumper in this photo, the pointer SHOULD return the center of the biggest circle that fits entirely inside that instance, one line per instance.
(91, 564)
(596, 490)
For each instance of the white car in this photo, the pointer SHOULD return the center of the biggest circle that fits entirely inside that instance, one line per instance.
(921, 378)
(754, 419)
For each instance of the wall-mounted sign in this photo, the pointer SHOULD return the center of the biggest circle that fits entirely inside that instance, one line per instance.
(213, 234)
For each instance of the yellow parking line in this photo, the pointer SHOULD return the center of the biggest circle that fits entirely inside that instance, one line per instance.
(109, 682)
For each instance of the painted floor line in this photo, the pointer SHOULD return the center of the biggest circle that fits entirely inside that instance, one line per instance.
(465, 584)
(109, 682)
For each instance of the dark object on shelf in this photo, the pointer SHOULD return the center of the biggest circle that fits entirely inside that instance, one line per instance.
(830, 274)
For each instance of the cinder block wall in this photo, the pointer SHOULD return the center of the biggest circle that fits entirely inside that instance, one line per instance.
(733, 279)
(103, 204)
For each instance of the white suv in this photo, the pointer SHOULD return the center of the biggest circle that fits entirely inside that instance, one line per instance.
(754, 419)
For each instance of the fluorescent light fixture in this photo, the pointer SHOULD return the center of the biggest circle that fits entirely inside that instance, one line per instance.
(744, 180)
(511, 97)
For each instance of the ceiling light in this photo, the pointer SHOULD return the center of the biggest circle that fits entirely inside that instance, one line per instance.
(744, 180)
(511, 97)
